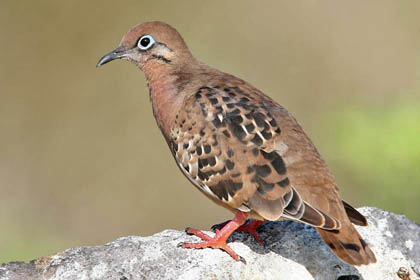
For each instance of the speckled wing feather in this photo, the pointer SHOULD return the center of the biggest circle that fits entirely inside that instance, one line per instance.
(229, 145)
(246, 152)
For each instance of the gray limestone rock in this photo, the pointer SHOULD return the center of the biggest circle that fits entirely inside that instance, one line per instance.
(292, 251)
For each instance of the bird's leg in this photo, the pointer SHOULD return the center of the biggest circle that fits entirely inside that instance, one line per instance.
(249, 226)
(219, 240)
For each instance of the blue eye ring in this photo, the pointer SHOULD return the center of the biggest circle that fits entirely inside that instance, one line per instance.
(145, 42)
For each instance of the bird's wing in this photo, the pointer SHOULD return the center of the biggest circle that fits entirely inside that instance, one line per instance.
(228, 140)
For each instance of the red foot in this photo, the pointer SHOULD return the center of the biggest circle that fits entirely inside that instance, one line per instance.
(250, 226)
(219, 240)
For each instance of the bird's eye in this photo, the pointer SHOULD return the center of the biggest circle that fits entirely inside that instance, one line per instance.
(145, 42)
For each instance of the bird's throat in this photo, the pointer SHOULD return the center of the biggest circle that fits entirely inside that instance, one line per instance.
(165, 97)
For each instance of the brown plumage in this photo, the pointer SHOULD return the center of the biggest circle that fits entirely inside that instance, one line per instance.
(238, 146)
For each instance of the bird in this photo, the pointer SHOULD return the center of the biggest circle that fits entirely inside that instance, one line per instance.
(239, 147)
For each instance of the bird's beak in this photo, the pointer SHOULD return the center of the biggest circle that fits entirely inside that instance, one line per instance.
(118, 53)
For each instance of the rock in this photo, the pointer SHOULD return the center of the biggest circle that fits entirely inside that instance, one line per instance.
(292, 251)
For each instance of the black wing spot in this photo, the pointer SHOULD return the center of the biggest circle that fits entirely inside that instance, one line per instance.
(259, 119)
(235, 187)
(234, 175)
(266, 135)
(213, 101)
(207, 149)
(229, 164)
(284, 183)
(276, 161)
(273, 123)
(278, 164)
(225, 188)
(263, 186)
(266, 127)
(212, 161)
(219, 109)
(226, 133)
(230, 153)
(263, 170)
(205, 175)
(237, 131)
(217, 123)
(246, 106)
(268, 156)
(249, 169)
(236, 119)
(199, 151)
(238, 90)
(202, 162)
(233, 113)
(250, 127)
(257, 140)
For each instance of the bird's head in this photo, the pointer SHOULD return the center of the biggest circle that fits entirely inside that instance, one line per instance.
(150, 45)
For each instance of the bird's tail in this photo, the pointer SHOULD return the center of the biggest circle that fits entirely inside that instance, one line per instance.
(347, 244)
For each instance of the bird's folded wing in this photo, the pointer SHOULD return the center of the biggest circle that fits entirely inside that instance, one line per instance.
(230, 146)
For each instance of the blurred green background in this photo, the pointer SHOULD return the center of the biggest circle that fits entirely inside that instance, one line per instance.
(82, 161)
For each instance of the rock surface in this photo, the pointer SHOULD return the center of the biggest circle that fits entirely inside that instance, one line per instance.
(292, 251)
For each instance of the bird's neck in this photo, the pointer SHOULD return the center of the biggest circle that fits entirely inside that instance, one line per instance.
(165, 95)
